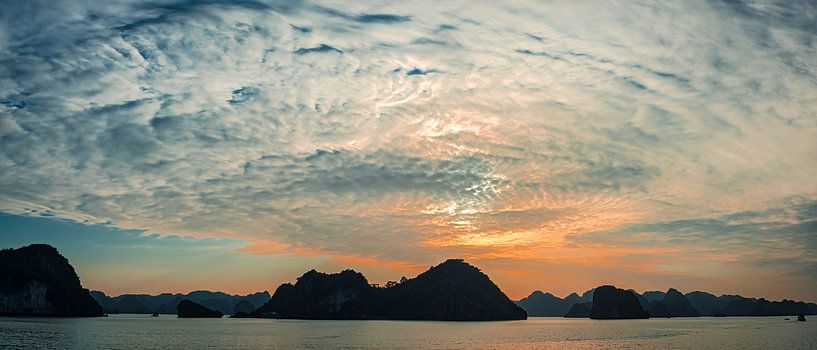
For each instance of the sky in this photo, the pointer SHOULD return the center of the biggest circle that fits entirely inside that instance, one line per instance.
(169, 146)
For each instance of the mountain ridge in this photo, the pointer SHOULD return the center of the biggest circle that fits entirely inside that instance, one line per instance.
(166, 303)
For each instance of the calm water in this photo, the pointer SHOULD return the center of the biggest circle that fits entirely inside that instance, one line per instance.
(168, 332)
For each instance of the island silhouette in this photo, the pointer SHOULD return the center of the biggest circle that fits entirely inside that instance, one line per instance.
(166, 303)
(189, 309)
(671, 303)
(451, 291)
(37, 280)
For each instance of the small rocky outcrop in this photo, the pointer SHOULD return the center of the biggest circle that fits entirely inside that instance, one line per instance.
(611, 303)
(37, 280)
(189, 309)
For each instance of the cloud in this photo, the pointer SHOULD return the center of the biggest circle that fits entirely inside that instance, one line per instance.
(364, 17)
(381, 18)
(508, 129)
(776, 242)
(320, 48)
(538, 53)
(786, 229)
(119, 261)
(418, 71)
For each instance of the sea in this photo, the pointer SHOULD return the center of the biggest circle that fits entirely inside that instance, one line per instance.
(135, 332)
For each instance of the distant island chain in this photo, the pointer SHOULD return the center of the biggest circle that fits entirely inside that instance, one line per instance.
(37, 280)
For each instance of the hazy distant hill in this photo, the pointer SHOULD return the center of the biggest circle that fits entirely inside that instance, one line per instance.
(547, 305)
(678, 305)
(708, 304)
(243, 306)
(654, 295)
(670, 304)
(451, 291)
(580, 310)
(37, 280)
(166, 303)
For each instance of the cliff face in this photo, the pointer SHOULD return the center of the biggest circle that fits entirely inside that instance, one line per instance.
(451, 291)
(30, 299)
(610, 302)
(37, 280)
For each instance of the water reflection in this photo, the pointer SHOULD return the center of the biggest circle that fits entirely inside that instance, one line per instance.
(169, 332)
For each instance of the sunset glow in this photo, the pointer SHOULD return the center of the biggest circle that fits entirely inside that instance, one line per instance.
(556, 146)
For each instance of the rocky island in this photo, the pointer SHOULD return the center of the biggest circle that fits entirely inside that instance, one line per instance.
(189, 309)
(37, 280)
(451, 291)
(610, 302)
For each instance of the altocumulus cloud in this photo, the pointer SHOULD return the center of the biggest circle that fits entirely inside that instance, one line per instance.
(390, 129)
